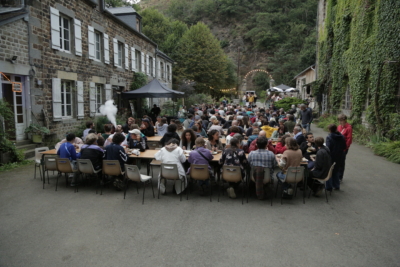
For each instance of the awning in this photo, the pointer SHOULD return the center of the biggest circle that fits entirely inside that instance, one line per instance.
(153, 89)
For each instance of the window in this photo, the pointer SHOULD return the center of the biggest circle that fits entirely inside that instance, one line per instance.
(138, 60)
(347, 103)
(65, 34)
(120, 53)
(151, 66)
(162, 70)
(97, 45)
(99, 96)
(66, 98)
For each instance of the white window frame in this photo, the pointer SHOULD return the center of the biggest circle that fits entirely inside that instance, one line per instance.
(98, 46)
(62, 36)
(64, 92)
(120, 54)
(99, 88)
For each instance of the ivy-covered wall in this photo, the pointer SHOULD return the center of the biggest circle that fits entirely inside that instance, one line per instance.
(359, 45)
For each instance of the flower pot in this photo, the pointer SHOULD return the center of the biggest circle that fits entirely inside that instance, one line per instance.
(36, 138)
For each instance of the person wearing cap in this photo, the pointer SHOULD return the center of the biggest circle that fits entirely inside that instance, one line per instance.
(136, 141)
(146, 128)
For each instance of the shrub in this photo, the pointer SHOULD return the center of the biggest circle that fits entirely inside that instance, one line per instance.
(390, 150)
(287, 103)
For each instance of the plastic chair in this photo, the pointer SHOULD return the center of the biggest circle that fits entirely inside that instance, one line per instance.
(132, 173)
(323, 181)
(38, 159)
(200, 173)
(294, 175)
(50, 164)
(170, 172)
(267, 178)
(110, 168)
(154, 163)
(85, 166)
(231, 174)
(64, 166)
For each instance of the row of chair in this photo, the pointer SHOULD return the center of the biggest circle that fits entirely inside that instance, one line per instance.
(167, 172)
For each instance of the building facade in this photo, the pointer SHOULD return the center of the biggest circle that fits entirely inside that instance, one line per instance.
(60, 60)
(304, 80)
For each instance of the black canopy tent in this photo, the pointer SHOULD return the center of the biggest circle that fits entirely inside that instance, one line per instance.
(153, 89)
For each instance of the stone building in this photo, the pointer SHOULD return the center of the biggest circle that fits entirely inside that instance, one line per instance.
(60, 60)
(304, 80)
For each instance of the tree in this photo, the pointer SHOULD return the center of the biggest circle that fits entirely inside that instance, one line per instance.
(201, 59)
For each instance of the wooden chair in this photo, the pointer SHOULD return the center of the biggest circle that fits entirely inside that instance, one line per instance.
(200, 173)
(267, 178)
(110, 168)
(232, 174)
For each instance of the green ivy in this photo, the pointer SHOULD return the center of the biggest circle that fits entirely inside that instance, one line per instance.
(359, 47)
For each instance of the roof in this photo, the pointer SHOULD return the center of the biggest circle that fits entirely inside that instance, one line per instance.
(164, 56)
(6, 18)
(122, 10)
(301, 73)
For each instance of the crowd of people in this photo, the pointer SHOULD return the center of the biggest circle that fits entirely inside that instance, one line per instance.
(272, 138)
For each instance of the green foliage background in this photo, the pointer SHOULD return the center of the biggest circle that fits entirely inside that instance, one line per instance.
(359, 47)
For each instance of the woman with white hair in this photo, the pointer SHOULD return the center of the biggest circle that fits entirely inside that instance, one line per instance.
(90, 150)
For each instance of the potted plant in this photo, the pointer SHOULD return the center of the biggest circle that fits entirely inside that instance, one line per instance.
(37, 132)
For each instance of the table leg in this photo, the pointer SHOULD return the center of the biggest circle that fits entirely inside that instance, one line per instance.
(43, 172)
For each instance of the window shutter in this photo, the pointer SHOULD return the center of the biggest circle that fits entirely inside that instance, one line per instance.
(115, 46)
(154, 67)
(170, 73)
(55, 28)
(143, 69)
(147, 65)
(159, 69)
(92, 97)
(81, 102)
(56, 89)
(91, 42)
(133, 59)
(78, 37)
(165, 71)
(126, 57)
(108, 92)
(106, 50)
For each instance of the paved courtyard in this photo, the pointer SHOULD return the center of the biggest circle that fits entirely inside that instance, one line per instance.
(360, 226)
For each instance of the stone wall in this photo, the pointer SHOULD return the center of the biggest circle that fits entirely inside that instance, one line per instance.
(14, 42)
(50, 63)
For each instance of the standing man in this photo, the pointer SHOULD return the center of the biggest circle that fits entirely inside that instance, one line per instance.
(155, 111)
(337, 145)
(306, 117)
(347, 131)
(251, 100)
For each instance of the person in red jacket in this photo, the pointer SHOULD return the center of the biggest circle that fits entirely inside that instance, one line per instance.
(280, 146)
(253, 145)
(347, 131)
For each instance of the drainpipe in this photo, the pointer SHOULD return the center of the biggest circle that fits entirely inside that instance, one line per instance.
(29, 81)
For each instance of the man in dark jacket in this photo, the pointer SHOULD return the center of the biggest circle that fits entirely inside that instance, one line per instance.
(171, 133)
(323, 163)
(337, 145)
(146, 128)
(298, 135)
(308, 148)
(306, 117)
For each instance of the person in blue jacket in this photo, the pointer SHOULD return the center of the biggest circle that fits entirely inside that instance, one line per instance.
(68, 150)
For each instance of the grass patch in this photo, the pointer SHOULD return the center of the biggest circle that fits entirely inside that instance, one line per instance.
(14, 165)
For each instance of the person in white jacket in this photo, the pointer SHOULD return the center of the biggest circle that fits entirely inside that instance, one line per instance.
(171, 153)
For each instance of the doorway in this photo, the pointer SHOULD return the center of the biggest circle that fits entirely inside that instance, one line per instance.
(15, 128)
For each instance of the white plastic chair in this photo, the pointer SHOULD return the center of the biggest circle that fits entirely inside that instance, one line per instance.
(38, 159)
(324, 180)
(85, 166)
(294, 175)
(132, 173)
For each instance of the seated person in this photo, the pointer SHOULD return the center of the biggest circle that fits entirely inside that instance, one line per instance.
(253, 146)
(115, 151)
(146, 128)
(251, 129)
(260, 159)
(298, 135)
(76, 142)
(171, 153)
(253, 137)
(67, 150)
(162, 127)
(321, 168)
(308, 148)
(188, 139)
(236, 123)
(107, 131)
(91, 150)
(89, 126)
(290, 158)
(213, 143)
(200, 129)
(171, 133)
(233, 130)
(228, 123)
(279, 132)
(109, 139)
(100, 142)
(196, 131)
(290, 123)
(281, 145)
(216, 126)
(202, 156)
(136, 141)
(234, 156)
(179, 128)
